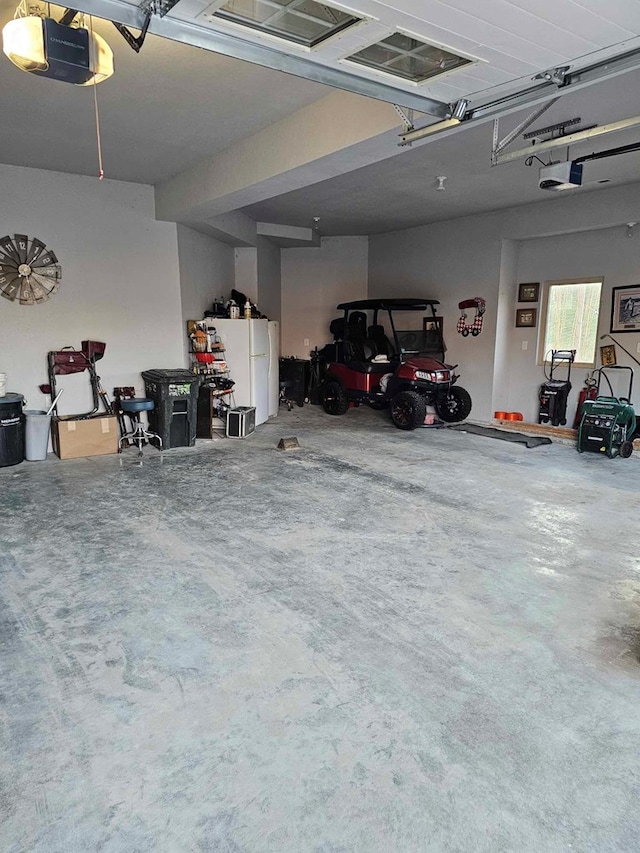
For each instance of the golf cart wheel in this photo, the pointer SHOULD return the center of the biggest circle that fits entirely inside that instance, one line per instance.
(626, 449)
(454, 406)
(334, 399)
(408, 410)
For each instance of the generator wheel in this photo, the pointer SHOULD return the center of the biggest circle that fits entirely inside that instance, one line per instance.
(455, 405)
(626, 449)
(408, 410)
(334, 399)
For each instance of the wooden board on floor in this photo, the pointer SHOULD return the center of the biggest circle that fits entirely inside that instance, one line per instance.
(544, 429)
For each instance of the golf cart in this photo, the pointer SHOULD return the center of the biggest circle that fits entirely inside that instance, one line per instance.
(406, 374)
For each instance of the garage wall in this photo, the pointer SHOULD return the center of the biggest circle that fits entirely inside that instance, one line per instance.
(484, 255)
(269, 278)
(206, 272)
(246, 272)
(450, 261)
(314, 281)
(609, 253)
(120, 281)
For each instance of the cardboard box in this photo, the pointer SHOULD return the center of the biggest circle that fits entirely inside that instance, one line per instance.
(95, 436)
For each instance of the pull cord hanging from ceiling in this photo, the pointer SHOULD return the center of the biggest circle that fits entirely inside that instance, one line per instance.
(97, 113)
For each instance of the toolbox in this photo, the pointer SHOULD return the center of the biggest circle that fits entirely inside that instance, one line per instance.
(241, 421)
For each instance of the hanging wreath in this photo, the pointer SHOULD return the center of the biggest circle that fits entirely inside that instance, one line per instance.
(475, 326)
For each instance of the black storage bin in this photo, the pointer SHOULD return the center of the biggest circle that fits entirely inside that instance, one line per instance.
(175, 416)
(11, 430)
(295, 374)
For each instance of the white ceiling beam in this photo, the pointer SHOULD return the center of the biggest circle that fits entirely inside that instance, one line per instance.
(289, 236)
(331, 136)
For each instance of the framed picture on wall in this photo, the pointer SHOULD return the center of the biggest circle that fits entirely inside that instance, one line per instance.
(432, 324)
(526, 318)
(625, 309)
(608, 355)
(528, 291)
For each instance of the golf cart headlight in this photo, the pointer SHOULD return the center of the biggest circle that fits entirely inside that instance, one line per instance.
(422, 374)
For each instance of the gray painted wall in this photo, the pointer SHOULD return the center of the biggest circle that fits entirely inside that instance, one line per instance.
(120, 282)
(269, 278)
(485, 255)
(246, 272)
(450, 261)
(206, 272)
(609, 253)
(314, 281)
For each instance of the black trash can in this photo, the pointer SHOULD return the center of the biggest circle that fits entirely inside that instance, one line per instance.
(294, 379)
(11, 430)
(175, 416)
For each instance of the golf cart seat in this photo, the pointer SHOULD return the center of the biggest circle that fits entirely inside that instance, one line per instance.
(359, 355)
(336, 327)
(382, 343)
(357, 325)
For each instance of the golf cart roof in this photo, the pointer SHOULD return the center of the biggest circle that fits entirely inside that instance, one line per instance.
(388, 305)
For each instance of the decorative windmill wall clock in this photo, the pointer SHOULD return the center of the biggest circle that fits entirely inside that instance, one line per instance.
(29, 272)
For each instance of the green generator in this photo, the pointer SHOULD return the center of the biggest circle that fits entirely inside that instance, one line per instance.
(608, 423)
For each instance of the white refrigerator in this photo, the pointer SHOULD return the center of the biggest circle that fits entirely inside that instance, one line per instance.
(274, 367)
(249, 351)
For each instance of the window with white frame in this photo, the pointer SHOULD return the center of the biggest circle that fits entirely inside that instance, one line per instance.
(303, 21)
(570, 319)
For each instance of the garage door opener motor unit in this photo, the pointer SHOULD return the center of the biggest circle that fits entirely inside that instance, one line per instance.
(554, 393)
(608, 423)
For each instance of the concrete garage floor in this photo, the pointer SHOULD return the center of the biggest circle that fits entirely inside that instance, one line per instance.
(385, 642)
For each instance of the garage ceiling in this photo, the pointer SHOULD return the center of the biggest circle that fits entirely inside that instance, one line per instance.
(162, 111)
(400, 192)
(173, 107)
(507, 39)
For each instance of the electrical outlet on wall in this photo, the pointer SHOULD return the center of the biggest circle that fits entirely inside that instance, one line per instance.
(525, 345)
(306, 342)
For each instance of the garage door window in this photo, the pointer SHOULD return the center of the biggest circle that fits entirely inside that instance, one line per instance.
(304, 21)
(571, 319)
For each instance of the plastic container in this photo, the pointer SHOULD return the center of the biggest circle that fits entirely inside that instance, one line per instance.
(11, 430)
(3, 384)
(175, 393)
(36, 434)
